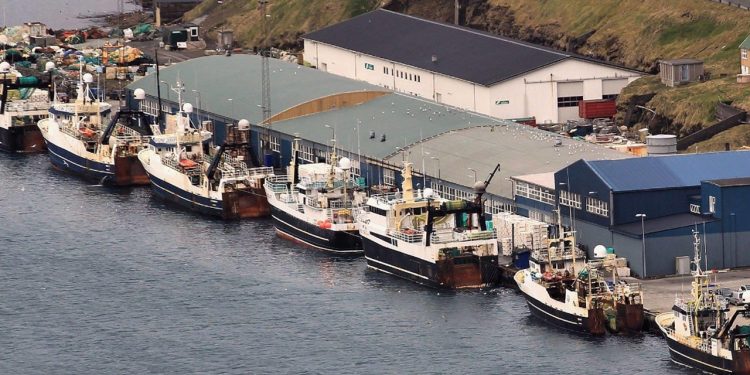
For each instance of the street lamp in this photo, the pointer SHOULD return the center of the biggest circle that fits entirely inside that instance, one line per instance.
(231, 104)
(168, 87)
(643, 240)
(198, 101)
(438, 166)
(475, 173)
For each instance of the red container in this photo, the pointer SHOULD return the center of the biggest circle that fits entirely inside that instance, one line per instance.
(597, 108)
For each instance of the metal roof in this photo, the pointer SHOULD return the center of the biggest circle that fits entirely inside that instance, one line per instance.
(404, 119)
(745, 43)
(520, 149)
(238, 77)
(663, 223)
(461, 52)
(546, 180)
(671, 171)
(681, 61)
(729, 182)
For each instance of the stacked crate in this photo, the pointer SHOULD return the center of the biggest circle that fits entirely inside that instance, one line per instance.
(517, 234)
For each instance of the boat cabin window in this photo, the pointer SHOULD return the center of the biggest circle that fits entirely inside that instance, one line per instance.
(188, 148)
(378, 211)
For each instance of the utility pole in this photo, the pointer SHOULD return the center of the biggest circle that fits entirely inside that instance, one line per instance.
(265, 52)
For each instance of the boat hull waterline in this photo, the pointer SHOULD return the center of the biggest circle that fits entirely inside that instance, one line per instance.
(335, 242)
(22, 139)
(478, 272)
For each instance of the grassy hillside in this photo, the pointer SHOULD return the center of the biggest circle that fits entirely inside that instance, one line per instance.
(288, 18)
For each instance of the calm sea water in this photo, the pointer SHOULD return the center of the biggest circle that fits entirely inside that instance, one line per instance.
(104, 281)
(58, 14)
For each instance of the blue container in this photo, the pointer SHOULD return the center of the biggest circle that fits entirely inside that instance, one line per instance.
(521, 260)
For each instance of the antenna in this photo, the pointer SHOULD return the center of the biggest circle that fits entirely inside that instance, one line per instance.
(265, 51)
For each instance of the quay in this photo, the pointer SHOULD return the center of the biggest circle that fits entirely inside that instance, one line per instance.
(659, 294)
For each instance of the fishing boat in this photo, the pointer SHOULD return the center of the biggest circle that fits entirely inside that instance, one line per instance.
(185, 169)
(25, 101)
(580, 299)
(83, 138)
(703, 332)
(316, 204)
(433, 241)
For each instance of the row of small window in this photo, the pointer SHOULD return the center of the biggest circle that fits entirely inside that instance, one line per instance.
(402, 74)
(448, 192)
(743, 52)
(151, 107)
(568, 101)
(534, 192)
(593, 205)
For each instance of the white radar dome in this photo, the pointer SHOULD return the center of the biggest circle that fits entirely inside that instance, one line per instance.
(345, 163)
(4, 67)
(88, 78)
(600, 251)
(243, 124)
(49, 66)
(139, 94)
(428, 192)
(187, 108)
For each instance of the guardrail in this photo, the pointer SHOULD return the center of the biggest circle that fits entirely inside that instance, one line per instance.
(411, 236)
(453, 236)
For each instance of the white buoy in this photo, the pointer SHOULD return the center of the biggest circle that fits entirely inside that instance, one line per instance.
(88, 78)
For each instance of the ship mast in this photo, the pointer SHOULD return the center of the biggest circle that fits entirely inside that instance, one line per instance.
(265, 52)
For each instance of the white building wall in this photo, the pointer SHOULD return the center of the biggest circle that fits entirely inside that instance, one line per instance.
(533, 94)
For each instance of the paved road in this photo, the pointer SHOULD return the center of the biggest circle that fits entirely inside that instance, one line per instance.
(745, 4)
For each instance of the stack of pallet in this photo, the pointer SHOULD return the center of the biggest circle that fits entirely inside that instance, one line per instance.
(517, 234)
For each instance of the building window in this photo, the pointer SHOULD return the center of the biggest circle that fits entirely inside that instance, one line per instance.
(744, 53)
(609, 96)
(711, 204)
(275, 144)
(570, 199)
(385, 70)
(306, 153)
(410, 77)
(597, 207)
(418, 79)
(389, 177)
(323, 155)
(534, 192)
(569, 101)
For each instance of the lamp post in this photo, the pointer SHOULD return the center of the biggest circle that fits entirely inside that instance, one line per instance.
(198, 101)
(168, 87)
(438, 166)
(475, 173)
(643, 240)
(231, 105)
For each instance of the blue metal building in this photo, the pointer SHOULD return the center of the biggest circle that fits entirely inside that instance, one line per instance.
(647, 208)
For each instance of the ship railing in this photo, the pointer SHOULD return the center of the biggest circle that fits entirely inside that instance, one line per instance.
(260, 172)
(75, 132)
(279, 184)
(386, 198)
(407, 235)
(27, 105)
(630, 288)
(453, 236)
(175, 164)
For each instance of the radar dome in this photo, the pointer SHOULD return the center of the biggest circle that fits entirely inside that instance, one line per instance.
(139, 94)
(88, 78)
(480, 187)
(427, 192)
(345, 163)
(243, 124)
(4, 67)
(49, 66)
(600, 251)
(187, 108)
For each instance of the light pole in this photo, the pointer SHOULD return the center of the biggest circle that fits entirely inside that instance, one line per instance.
(438, 167)
(475, 173)
(643, 241)
(231, 104)
(198, 101)
(168, 87)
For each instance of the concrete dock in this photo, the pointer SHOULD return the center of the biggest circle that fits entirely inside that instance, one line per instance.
(659, 294)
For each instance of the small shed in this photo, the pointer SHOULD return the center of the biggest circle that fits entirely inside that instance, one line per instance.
(680, 71)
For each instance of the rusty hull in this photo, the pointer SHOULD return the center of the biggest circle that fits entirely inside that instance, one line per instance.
(129, 171)
(629, 318)
(476, 274)
(245, 203)
(596, 323)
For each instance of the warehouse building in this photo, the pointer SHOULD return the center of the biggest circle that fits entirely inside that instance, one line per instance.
(462, 67)
(375, 127)
(647, 208)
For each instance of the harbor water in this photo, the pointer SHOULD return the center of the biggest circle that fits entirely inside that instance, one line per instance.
(58, 14)
(96, 280)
